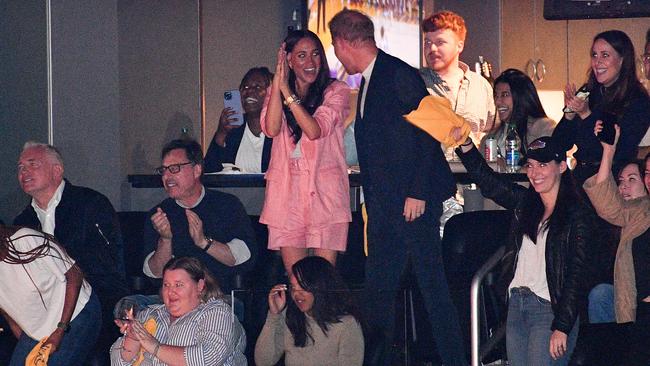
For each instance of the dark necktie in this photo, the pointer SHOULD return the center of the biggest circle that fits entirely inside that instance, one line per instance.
(363, 83)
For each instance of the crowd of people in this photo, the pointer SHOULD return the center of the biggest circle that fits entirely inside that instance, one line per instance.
(64, 289)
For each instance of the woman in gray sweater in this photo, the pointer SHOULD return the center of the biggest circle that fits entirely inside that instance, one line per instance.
(319, 327)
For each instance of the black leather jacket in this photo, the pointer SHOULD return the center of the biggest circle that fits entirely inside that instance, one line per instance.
(566, 243)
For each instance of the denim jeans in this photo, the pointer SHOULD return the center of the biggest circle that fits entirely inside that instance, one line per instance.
(77, 342)
(528, 330)
(601, 304)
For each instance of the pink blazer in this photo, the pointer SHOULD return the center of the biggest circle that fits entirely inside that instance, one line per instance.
(329, 190)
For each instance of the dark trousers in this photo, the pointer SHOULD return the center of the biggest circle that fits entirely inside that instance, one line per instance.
(639, 353)
(392, 245)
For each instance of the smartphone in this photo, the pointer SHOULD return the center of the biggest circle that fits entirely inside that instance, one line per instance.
(608, 134)
(232, 99)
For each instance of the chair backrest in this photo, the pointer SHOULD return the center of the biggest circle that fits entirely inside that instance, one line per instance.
(472, 237)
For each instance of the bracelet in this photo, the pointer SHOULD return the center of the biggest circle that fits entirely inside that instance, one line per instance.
(291, 99)
(466, 143)
(155, 350)
(210, 242)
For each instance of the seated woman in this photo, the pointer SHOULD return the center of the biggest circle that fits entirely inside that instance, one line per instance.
(601, 297)
(319, 327)
(543, 265)
(43, 294)
(518, 106)
(195, 324)
(632, 265)
(245, 146)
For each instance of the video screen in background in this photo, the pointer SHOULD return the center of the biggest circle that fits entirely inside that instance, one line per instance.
(397, 30)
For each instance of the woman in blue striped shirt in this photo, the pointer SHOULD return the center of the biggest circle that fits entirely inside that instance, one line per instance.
(194, 326)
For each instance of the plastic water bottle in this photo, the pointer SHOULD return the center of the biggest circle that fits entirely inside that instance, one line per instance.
(513, 142)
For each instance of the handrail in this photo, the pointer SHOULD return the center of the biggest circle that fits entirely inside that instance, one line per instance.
(474, 301)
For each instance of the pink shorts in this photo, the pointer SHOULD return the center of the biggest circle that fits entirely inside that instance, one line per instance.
(332, 237)
(298, 232)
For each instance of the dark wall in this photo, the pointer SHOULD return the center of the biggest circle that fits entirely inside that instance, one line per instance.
(23, 92)
(85, 95)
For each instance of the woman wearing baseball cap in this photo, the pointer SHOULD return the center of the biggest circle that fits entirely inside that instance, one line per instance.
(543, 265)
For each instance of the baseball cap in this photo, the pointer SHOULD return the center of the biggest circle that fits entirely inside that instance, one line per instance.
(545, 149)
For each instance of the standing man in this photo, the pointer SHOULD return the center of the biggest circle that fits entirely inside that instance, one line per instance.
(195, 222)
(470, 94)
(405, 178)
(82, 220)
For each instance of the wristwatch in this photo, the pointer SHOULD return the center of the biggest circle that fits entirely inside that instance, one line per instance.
(207, 246)
(64, 326)
(291, 99)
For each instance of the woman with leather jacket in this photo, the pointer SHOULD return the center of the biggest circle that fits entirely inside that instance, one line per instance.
(543, 265)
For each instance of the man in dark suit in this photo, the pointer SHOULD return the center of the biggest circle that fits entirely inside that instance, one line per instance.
(405, 179)
(82, 220)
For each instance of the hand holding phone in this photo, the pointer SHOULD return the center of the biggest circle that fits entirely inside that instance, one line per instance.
(605, 130)
(232, 100)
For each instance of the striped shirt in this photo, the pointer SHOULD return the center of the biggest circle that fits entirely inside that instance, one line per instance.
(210, 334)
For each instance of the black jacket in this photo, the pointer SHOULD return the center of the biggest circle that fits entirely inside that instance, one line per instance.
(566, 243)
(217, 155)
(88, 228)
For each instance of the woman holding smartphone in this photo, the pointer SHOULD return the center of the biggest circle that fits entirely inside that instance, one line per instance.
(615, 93)
(307, 201)
(632, 265)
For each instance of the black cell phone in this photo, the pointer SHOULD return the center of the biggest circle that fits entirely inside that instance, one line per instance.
(608, 134)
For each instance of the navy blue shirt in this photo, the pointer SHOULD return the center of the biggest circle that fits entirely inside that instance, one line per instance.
(224, 219)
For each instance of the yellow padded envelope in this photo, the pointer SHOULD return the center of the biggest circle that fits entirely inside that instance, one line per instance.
(435, 116)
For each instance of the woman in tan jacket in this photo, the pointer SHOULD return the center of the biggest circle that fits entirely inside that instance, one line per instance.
(632, 265)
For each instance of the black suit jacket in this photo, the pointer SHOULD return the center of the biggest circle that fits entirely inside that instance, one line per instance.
(80, 216)
(217, 154)
(397, 159)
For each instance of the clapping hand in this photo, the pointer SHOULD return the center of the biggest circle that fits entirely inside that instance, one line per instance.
(575, 103)
(281, 77)
(195, 225)
(161, 224)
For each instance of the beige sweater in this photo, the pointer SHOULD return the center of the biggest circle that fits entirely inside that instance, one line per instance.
(342, 346)
(634, 218)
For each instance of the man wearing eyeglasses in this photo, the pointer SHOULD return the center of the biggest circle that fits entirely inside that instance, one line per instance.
(81, 219)
(195, 222)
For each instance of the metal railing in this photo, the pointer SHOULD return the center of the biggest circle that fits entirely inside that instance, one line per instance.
(474, 302)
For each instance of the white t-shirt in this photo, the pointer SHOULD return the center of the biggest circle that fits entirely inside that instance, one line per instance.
(531, 266)
(37, 315)
(249, 154)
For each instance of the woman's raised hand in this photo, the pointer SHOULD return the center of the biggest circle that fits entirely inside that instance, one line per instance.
(598, 127)
(281, 77)
(278, 298)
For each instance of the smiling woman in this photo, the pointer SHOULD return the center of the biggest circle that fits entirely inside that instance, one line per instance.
(615, 93)
(544, 264)
(307, 203)
(195, 323)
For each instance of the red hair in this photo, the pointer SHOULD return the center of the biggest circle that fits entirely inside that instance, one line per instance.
(445, 20)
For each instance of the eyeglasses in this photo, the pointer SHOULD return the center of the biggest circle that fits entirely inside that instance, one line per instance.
(535, 145)
(174, 168)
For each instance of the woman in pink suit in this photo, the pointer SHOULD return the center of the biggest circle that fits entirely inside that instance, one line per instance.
(307, 205)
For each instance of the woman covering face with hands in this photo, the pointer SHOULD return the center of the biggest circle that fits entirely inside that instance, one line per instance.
(319, 325)
(307, 202)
